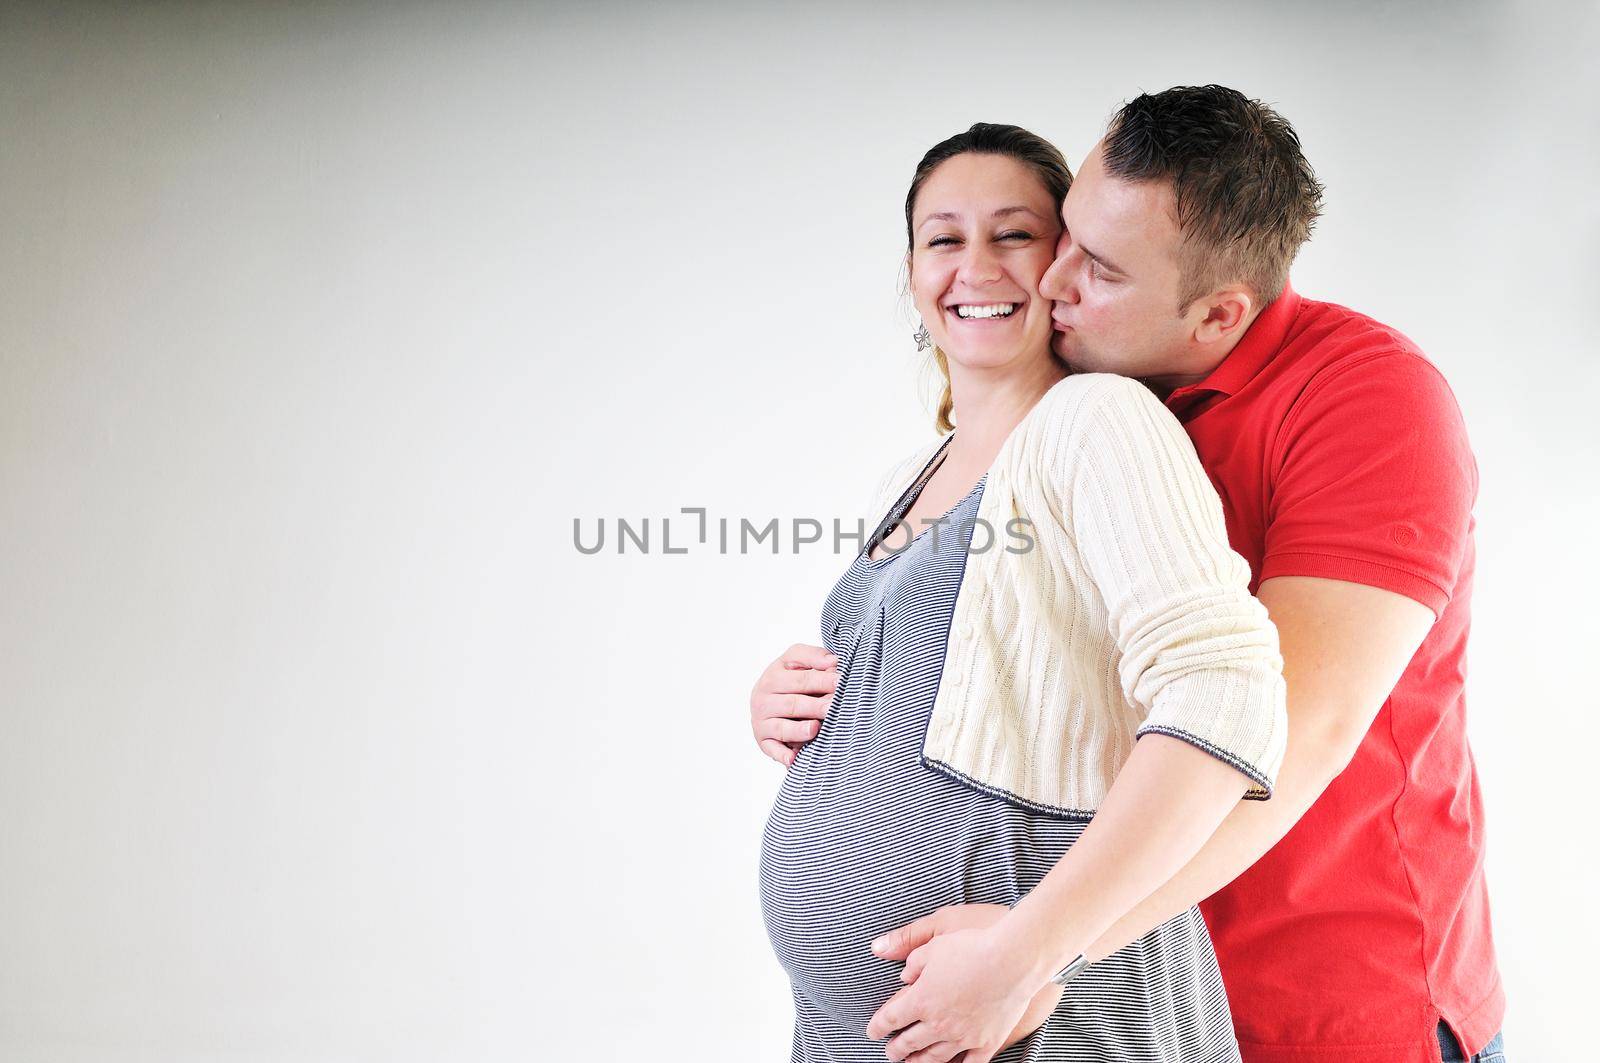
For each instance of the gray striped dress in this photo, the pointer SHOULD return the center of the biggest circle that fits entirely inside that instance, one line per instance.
(863, 838)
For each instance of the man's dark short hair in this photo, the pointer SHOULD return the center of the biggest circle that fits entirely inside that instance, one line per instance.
(1246, 198)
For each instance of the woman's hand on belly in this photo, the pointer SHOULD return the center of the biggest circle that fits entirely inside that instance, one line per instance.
(790, 699)
(899, 944)
(1039, 1009)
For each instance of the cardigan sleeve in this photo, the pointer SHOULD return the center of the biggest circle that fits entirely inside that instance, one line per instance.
(1198, 654)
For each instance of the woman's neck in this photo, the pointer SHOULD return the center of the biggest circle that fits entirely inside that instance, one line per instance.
(987, 406)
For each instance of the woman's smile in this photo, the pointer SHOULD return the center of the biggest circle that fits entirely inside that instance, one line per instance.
(983, 313)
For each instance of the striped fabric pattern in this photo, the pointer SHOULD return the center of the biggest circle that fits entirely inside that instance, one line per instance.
(864, 836)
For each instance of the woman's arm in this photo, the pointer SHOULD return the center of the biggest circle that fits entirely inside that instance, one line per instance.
(1166, 802)
(1198, 657)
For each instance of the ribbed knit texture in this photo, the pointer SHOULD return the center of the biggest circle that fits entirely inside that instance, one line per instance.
(1130, 614)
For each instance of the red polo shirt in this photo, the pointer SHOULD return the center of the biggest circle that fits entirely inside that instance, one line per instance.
(1339, 451)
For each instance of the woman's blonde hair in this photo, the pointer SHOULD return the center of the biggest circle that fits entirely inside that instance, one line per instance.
(985, 138)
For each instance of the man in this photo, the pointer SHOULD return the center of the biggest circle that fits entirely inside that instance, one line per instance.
(1347, 482)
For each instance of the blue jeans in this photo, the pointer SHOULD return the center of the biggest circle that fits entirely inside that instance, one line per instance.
(1450, 1050)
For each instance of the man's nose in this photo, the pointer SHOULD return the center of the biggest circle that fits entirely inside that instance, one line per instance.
(1056, 284)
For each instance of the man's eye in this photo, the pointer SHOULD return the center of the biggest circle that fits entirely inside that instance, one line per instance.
(1095, 270)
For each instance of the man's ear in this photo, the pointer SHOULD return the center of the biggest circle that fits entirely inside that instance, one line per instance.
(1228, 312)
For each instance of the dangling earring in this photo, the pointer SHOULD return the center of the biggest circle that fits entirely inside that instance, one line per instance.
(924, 341)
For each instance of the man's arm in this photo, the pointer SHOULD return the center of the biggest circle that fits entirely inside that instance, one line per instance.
(1345, 646)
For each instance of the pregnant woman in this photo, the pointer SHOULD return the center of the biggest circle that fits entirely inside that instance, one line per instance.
(1047, 699)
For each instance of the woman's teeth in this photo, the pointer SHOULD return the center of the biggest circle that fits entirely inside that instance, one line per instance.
(998, 310)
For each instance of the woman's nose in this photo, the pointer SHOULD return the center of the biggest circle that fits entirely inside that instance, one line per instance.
(979, 266)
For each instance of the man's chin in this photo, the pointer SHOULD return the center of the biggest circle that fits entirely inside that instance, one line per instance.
(1078, 360)
(1070, 353)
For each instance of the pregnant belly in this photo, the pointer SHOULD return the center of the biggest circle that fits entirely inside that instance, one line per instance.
(844, 859)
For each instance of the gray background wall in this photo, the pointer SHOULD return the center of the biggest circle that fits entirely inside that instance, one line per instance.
(319, 325)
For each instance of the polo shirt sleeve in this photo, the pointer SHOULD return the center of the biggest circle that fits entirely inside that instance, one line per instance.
(1198, 654)
(1374, 481)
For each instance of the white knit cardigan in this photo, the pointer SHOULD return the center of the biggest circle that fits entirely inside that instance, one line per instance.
(1129, 615)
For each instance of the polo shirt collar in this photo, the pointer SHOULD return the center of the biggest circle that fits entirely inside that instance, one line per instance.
(1249, 356)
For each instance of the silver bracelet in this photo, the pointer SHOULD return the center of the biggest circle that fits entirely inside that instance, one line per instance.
(1066, 974)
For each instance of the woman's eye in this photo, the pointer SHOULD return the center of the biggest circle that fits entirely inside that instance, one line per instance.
(942, 241)
(1095, 271)
(1016, 235)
